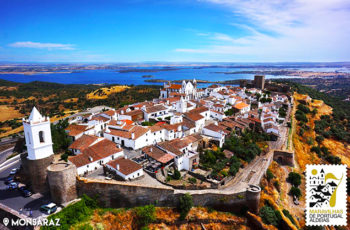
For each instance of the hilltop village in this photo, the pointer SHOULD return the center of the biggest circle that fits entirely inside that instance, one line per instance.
(213, 143)
(167, 135)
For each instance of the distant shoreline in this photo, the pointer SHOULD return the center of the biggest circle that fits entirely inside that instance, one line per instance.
(33, 72)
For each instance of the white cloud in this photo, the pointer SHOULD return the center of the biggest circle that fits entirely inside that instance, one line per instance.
(39, 45)
(280, 30)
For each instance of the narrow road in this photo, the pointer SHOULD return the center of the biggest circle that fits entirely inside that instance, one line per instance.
(4, 154)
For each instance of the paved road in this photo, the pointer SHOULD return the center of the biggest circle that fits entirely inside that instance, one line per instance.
(14, 200)
(5, 154)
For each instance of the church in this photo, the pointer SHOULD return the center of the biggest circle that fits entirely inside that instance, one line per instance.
(187, 90)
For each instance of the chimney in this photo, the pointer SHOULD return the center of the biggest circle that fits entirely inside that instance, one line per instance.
(150, 149)
(133, 135)
(117, 166)
(118, 146)
(90, 159)
(126, 157)
(122, 111)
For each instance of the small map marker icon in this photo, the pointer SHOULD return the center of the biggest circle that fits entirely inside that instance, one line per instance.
(6, 221)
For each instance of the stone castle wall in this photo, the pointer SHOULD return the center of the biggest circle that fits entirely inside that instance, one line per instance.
(62, 182)
(36, 173)
(284, 157)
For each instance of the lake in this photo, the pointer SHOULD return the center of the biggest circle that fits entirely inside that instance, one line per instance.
(114, 77)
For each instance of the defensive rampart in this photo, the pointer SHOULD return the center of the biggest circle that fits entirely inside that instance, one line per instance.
(119, 194)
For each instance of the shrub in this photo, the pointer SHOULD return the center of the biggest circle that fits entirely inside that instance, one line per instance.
(288, 215)
(185, 205)
(333, 160)
(177, 175)
(192, 180)
(269, 175)
(145, 215)
(294, 179)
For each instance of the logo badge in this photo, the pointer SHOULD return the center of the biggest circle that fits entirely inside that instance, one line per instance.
(326, 195)
(6, 221)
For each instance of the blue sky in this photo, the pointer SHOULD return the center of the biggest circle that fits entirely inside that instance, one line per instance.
(174, 31)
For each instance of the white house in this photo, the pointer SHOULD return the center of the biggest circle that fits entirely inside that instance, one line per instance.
(155, 112)
(95, 156)
(131, 136)
(242, 107)
(85, 141)
(216, 132)
(125, 168)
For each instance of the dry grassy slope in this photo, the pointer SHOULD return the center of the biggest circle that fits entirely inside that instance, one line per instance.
(303, 154)
(8, 113)
(302, 149)
(103, 93)
(126, 219)
(280, 198)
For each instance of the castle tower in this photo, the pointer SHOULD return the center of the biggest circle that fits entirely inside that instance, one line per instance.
(38, 136)
(40, 153)
(62, 182)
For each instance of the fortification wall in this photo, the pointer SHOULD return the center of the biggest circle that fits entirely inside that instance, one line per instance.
(62, 182)
(36, 172)
(117, 194)
(284, 157)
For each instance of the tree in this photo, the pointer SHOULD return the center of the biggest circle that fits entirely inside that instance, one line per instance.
(319, 139)
(294, 191)
(268, 215)
(294, 179)
(185, 205)
(145, 215)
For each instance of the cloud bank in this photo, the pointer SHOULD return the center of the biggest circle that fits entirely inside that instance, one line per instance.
(276, 30)
(39, 45)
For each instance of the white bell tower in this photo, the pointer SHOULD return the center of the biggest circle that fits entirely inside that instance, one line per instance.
(37, 133)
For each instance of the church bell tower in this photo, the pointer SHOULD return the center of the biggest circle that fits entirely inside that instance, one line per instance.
(37, 133)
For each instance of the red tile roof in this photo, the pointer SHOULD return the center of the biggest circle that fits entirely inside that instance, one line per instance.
(126, 166)
(98, 151)
(157, 154)
(74, 130)
(174, 86)
(156, 108)
(137, 130)
(241, 105)
(83, 142)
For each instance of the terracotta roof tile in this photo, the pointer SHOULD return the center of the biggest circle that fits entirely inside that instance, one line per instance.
(156, 108)
(83, 142)
(175, 86)
(126, 166)
(74, 130)
(241, 105)
(98, 151)
(157, 154)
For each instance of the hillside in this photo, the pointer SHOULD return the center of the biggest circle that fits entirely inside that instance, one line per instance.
(60, 100)
(320, 132)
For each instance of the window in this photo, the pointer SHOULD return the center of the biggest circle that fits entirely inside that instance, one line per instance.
(113, 139)
(28, 136)
(41, 136)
